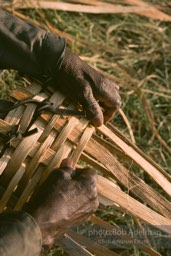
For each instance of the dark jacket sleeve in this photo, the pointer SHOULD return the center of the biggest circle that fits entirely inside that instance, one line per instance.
(19, 235)
(27, 48)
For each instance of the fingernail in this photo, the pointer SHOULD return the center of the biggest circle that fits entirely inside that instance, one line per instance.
(96, 119)
(97, 122)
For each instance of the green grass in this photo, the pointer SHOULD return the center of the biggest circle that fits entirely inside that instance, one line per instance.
(136, 53)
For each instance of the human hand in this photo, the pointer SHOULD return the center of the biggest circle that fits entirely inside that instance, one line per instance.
(66, 198)
(98, 95)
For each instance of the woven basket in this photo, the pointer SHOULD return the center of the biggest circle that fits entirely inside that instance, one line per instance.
(27, 162)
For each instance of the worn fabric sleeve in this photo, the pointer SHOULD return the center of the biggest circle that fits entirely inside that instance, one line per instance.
(27, 48)
(19, 235)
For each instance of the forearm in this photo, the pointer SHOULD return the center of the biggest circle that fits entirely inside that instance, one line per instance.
(27, 48)
(19, 235)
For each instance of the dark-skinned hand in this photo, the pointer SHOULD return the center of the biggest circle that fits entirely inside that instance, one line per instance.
(98, 95)
(66, 198)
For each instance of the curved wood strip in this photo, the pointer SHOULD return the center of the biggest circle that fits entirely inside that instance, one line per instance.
(11, 186)
(29, 189)
(34, 163)
(131, 205)
(19, 156)
(56, 161)
(141, 161)
(73, 121)
(82, 143)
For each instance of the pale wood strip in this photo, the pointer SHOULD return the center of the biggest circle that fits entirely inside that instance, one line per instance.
(127, 178)
(4, 160)
(141, 161)
(72, 247)
(39, 176)
(57, 99)
(131, 205)
(20, 155)
(146, 10)
(29, 111)
(15, 115)
(90, 245)
(72, 122)
(11, 186)
(62, 153)
(134, 146)
(124, 236)
(29, 189)
(35, 162)
(82, 143)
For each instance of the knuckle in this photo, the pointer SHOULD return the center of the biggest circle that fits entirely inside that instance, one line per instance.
(87, 173)
(96, 204)
(107, 88)
(87, 92)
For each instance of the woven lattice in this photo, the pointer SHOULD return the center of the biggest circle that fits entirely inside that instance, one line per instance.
(27, 161)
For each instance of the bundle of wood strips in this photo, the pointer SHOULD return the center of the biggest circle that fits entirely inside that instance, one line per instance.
(28, 160)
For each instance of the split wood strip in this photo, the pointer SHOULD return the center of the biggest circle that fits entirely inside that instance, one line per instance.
(155, 13)
(66, 135)
(11, 186)
(34, 162)
(72, 247)
(60, 140)
(39, 176)
(63, 153)
(130, 180)
(90, 2)
(4, 126)
(82, 144)
(149, 196)
(29, 111)
(137, 2)
(28, 190)
(123, 235)
(91, 246)
(4, 160)
(135, 186)
(14, 116)
(97, 147)
(128, 204)
(96, 150)
(145, 10)
(19, 156)
(145, 165)
(145, 156)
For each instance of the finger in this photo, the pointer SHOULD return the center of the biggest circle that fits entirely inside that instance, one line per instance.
(67, 169)
(108, 93)
(67, 162)
(109, 113)
(90, 105)
(87, 179)
(87, 175)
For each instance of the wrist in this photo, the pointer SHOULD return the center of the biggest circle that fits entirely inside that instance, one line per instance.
(51, 227)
